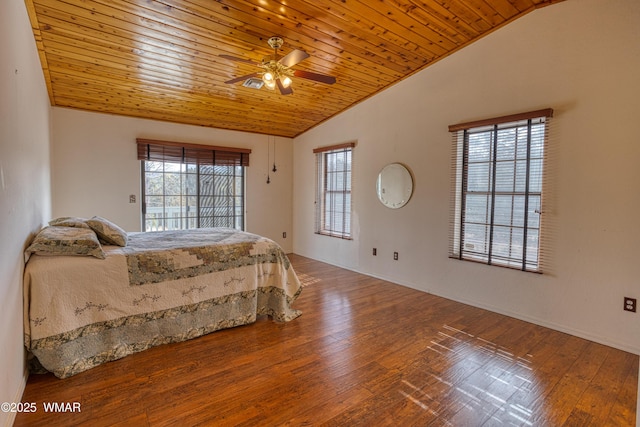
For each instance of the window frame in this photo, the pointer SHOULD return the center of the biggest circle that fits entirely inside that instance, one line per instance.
(460, 167)
(188, 160)
(330, 221)
(236, 217)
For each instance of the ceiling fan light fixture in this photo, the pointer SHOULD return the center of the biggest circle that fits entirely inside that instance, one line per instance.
(277, 72)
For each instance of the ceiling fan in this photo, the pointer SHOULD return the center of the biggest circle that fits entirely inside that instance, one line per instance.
(277, 72)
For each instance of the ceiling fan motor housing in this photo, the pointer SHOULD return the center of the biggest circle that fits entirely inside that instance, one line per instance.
(275, 42)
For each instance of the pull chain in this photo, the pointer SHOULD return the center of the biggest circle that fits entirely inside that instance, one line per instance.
(268, 161)
(274, 155)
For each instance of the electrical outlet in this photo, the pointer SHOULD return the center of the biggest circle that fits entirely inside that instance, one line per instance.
(630, 304)
(132, 198)
(395, 256)
(375, 252)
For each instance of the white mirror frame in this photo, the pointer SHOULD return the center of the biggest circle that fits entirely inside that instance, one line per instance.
(394, 185)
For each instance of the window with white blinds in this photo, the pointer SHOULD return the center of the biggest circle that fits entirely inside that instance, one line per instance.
(497, 177)
(333, 190)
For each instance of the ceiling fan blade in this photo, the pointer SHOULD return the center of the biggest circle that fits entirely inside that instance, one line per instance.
(283, 90)
(241, 78)
(315, 77)
(235, 58)
(293, 57)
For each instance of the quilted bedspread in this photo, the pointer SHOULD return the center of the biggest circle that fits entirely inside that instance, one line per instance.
(162, 287)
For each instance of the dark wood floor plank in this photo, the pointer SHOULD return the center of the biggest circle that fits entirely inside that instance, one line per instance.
(365, 352)
(599, 398)
(569, 389)
(623, 411)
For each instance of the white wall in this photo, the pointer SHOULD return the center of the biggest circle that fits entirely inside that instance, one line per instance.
(579, 57)
(24, 183)
(95, 169)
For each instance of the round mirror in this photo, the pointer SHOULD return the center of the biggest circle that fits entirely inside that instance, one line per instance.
(394, 185)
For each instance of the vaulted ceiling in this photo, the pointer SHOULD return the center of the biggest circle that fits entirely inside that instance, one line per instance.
(169, 59)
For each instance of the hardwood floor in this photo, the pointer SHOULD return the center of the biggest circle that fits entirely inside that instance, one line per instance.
(364, 352)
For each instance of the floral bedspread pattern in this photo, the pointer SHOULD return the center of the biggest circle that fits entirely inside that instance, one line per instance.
(162, 287)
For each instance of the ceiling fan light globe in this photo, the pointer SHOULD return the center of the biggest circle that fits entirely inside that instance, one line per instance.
(268, 77)
(271, 84)
(286, 82)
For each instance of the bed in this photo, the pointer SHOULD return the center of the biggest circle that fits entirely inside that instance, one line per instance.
(149, 289)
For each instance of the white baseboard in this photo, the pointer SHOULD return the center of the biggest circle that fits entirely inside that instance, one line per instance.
(18, 398)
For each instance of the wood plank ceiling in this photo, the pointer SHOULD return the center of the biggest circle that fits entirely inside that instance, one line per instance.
(160, 59)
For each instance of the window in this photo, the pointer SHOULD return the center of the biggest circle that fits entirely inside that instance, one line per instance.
(333, 190)
(188, 186)
(497, 170)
